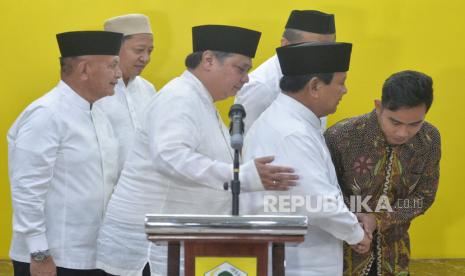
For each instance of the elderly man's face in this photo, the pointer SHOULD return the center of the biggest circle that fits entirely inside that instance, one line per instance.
(230, 75)
(104, 73)
(135, 54)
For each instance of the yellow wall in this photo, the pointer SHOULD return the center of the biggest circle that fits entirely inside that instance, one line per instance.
(388, 36)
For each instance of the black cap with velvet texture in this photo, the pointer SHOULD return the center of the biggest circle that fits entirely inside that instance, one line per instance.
(314, 58)
(224, 38)
(82, 43)
(311, 21)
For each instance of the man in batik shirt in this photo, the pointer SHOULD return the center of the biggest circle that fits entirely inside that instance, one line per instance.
(387, 163)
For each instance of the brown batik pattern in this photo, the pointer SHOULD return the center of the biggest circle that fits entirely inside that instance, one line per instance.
(360, 155)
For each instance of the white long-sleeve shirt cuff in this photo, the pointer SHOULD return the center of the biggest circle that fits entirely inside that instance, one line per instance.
(37, 242)
(356, 236)
(249, 176)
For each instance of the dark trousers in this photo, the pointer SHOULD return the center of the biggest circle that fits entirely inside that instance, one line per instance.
(145, 272)
(22, 269)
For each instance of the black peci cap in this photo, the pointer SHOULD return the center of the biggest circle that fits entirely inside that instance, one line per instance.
(311, 21)
(81, 43)
(314, 58)
(223, 38)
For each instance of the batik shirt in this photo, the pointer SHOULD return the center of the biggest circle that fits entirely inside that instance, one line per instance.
(401, 180)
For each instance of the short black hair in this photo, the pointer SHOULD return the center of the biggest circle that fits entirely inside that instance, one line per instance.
(292, 84)
(193, 59)
(407, 89)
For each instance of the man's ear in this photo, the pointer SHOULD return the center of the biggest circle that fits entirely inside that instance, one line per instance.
(208, 60)
(83, 69)
(378, 106)
(313, 86)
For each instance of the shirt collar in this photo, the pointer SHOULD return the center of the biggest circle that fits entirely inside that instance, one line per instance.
(120, 84)
(202, 90)
(277, 65)
(299, 110)
(131, 83)
(73, 97)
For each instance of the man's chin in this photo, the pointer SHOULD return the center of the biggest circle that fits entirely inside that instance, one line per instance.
(397, 142)
(138, 71)
(233, 94)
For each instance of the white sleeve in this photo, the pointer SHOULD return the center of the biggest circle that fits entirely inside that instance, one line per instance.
(255, 96)
(174, 138)
(33, 145)
(314, 184)
(249, 177)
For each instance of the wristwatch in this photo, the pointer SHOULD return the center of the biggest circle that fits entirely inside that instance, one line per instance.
(40, 256)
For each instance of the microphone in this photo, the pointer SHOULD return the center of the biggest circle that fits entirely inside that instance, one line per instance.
(236, 128)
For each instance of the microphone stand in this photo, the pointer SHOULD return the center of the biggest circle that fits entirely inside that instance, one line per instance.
(235, 184)
(236, 130)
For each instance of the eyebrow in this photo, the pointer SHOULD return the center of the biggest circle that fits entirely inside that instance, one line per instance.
(397, 121)
(140, 46)
(246, 66)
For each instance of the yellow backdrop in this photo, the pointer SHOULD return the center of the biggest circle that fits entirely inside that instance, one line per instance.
(388, 36)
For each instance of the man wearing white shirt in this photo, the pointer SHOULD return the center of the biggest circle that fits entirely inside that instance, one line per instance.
(132, 92)
(62, 162)
(263, 87)
(312, 86)
(182, 157)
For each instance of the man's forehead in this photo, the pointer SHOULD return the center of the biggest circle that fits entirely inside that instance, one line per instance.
(238, 58)
(101, 58)
(138, 38)
(234, 59)
(339, 76)
(407, 115)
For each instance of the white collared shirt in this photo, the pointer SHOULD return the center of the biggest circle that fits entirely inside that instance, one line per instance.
(124, 110)
(179, 163)
(261, 90)
(291, 132)
(182, 151)
(62, 158)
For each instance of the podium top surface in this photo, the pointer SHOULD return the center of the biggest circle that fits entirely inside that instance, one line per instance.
(156, 224)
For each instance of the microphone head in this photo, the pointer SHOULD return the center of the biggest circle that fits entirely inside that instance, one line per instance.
(237, 141)
(236, 109)
(236, 129)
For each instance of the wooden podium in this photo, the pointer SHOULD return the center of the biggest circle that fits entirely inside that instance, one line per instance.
(236, 237)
